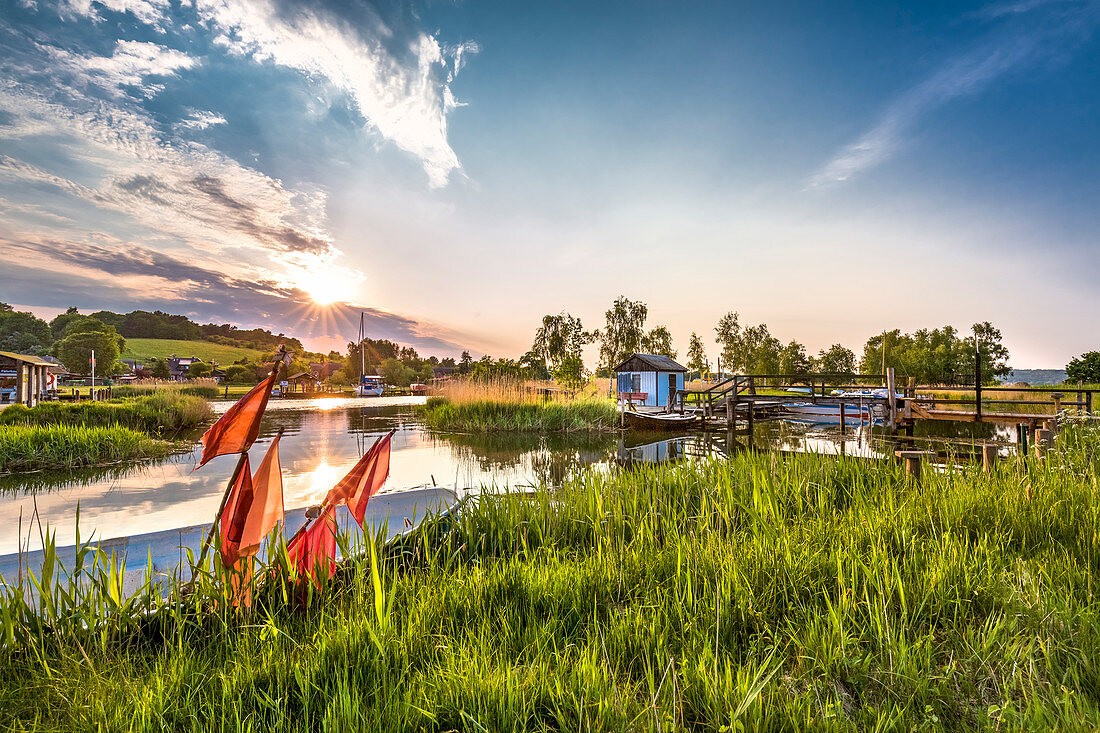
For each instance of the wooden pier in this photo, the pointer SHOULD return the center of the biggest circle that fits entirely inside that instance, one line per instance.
(740, 400)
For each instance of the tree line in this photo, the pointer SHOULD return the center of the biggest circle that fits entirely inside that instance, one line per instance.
(929, 356)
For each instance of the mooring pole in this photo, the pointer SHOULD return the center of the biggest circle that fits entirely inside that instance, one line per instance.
(977, 377)
(989, 457)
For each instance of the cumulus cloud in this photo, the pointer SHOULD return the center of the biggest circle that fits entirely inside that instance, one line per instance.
(405, 96)
(1020, 43)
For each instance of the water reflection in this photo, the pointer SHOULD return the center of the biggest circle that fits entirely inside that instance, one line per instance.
(323, 439)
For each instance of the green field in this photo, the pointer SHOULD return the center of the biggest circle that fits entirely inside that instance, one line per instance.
(205, 350)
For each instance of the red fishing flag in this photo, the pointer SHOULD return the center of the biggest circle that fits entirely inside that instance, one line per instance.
(253, 508)
(364, 479)
(315, 546)
(236, 430)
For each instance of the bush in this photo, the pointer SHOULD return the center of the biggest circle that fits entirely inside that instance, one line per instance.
(167, 411)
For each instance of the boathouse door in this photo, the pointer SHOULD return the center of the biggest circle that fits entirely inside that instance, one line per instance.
(671, 390)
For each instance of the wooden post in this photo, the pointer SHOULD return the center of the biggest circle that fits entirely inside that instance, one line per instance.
(977, 380)
(730, 416)
(1088, 402)
(1057, 397)
(1021, 438)
(20, 392)
(1042, 441)
(989, 457)
(842, 425)
(891, 398)
(912, 460)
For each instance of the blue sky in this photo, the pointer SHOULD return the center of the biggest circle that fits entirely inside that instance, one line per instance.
(460, 169)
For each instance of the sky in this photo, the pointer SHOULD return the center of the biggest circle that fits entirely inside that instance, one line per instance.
(457, 170)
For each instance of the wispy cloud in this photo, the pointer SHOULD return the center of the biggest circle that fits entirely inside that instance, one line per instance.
(129, 66)
(1028, 33)
(402, 89)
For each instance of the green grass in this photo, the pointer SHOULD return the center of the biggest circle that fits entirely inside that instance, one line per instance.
(43, 447)
(763, 592)
(137, 348)
(487, 415)
(164, 412)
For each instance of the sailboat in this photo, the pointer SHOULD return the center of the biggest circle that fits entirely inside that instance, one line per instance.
(370, 385)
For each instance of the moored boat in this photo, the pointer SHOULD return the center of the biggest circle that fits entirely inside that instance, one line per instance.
(658, 420)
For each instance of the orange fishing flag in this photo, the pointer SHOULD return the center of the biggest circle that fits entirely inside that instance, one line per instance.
(315, 546)
(253, 508)
(236, 430)
(364, 479)
(233, 513)
(374, 479)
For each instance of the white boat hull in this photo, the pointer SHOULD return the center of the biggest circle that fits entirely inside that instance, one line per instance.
(362, 391)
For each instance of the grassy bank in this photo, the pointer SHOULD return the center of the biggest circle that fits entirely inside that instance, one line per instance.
(763, 592)
(165, 412)
(40, 447)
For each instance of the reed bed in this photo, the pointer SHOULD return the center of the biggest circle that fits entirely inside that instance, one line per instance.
(580, 415)
(41, 447)
(760, 592)
(516, 406)
(163, 412)
(207, 388)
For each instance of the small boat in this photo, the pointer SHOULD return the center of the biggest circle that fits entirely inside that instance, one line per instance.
(370, 386)
(419, 389)
(658, 420)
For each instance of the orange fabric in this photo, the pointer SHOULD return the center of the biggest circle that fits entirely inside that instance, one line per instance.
(231, 521)
(315, 547)
(373, 481)
(364, 479)
(267, 501)
(236, 430)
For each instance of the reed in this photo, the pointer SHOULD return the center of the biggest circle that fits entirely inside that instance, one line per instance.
(163, 412)
(207, 388)
(580, 415)
(518, 406)
(760, 592)
(41, 447)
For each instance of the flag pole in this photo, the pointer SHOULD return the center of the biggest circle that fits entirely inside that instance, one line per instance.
(280, 355)
(218, 516)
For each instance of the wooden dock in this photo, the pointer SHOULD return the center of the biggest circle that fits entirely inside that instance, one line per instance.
(740, 400)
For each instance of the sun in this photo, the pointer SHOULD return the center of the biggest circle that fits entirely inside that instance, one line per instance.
(325, 285)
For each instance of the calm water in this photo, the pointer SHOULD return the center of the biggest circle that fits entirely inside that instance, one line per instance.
(323, 438)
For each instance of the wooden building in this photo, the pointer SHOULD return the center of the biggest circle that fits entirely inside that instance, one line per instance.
(657, 377)
(23, 378)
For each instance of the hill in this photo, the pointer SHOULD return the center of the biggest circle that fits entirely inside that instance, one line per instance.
(1037, 377)
(142, 348)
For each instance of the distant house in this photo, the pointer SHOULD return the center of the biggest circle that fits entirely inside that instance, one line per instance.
(658, 377)
(179, 368)
(324, 370)
(443, 372)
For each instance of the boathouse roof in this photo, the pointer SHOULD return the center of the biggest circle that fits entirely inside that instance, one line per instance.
(649, 363)
(27, 359)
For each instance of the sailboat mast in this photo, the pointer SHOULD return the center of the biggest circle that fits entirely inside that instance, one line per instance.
(362, 353)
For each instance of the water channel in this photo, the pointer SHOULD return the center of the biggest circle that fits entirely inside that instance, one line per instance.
(324, 437)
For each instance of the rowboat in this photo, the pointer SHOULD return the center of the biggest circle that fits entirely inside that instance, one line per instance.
(395, 511)
(658, 420)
